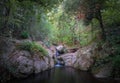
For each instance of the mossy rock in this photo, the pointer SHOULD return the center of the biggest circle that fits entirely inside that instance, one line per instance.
(32, 47)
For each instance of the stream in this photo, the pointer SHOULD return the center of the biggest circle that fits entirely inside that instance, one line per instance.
(63, 75)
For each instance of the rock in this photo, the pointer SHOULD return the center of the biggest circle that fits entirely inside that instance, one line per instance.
(81, 59)
(51, 63)
(50, 53)
(60, 48)
(72, 50)
(104, 71)
(6, 47)
(4, 75)
(21, 63)
(84, 59)
(40, 66)
(25, 65)
(68, 58)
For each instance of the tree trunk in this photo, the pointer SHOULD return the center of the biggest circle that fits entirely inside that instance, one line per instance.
(101, 25)
(6, 12)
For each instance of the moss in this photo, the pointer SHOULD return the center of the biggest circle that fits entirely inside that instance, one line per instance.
(33, 48)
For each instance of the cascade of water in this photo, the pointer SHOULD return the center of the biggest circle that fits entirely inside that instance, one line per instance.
(59, 63)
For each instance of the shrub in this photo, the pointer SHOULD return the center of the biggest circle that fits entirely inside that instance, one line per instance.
(116, 61)
(33, 48)
(116, 67)
(24, 35)
(100, 63)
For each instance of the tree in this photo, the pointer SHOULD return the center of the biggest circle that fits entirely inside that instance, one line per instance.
(5, 12)
(90, 8)
(26, 16)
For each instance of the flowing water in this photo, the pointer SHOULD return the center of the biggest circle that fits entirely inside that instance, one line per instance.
(63, 75)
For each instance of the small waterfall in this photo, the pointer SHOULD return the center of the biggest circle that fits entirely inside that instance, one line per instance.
(59, 62)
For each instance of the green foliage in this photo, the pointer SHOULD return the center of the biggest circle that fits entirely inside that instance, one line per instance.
(24, 34)
(33, 48)
(35, 20)
(29, 16)
(100, 63)
(42, 22)
(111, 14)
(42, 28)
(64, 29)
(71, 5)
(49, 4)
(71, 31)
(116, 67)
(116, 61)
(25, 46)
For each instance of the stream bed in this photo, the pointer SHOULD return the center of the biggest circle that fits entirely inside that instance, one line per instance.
(64, 75)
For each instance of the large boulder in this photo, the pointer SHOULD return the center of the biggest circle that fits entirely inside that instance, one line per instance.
(84, 58)
(40, 65)
(81, 59)
(24, 66)
(21, 63)
(69, 59)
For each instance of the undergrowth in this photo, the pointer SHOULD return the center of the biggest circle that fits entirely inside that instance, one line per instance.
(33, 48)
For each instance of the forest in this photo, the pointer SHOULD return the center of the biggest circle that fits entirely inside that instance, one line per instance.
(30, 31)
